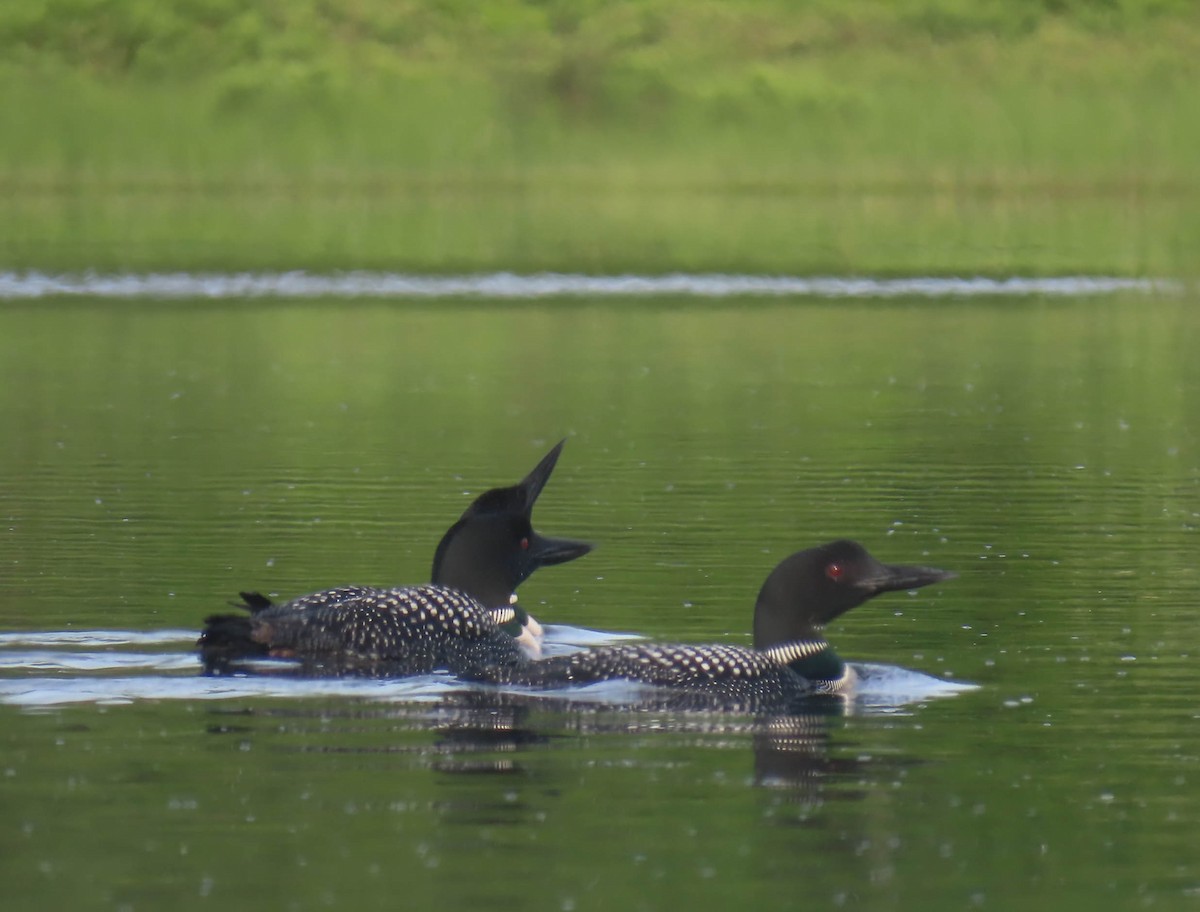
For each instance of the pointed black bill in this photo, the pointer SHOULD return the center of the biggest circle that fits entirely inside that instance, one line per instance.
(893, 578)
(531, 485)
(545, 552)
(518, 499)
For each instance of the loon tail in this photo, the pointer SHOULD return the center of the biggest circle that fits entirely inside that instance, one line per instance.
(226, 637)
(254, 602)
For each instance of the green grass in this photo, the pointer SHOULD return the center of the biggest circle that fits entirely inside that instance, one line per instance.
(902, 137)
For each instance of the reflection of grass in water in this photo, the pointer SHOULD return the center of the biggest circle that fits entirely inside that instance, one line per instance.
(548, 228)
(890, 137)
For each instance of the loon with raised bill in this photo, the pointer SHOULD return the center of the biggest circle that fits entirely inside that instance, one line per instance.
(790, 659)
(466, 618)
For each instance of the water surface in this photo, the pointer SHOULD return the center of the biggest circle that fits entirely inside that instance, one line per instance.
(156, 459)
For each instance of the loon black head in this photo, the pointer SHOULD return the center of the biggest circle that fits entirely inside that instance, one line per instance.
(811, 588)
(493, 547)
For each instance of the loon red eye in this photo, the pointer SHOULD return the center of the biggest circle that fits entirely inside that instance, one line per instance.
(525, 544)
(834, 571)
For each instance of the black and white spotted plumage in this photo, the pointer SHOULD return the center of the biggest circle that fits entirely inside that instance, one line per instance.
(727, 673)
(411, 630)
(790, 660)
(465, 619)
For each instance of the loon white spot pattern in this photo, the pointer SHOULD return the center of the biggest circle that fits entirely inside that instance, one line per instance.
(792, 661)
(715, 670)
(415, 629)
(448, 624)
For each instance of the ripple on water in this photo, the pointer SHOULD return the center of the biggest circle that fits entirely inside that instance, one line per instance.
(17, 286)
(43, 677)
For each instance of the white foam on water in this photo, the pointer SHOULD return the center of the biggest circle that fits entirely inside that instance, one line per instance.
(60, 676)
(47, 660)
(33, 692)
(883, 686)
(506, 285)
(97, 637)
(563, 639)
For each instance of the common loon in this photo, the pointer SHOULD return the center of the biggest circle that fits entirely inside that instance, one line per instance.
(790, 658)
(465, 618)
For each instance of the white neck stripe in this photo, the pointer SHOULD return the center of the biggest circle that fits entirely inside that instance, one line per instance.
(787, 653)
(503, 615)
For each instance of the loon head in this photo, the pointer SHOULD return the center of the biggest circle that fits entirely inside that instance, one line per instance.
(812, 587)
(493, 547)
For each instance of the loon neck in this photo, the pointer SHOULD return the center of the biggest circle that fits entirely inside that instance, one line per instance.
(812, 659)
(510, 617)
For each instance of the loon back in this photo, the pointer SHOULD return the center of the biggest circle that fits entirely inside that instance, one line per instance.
(412, 630)
(791, 659)
(453, 623)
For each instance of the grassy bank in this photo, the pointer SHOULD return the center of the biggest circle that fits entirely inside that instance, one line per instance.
(901, 136)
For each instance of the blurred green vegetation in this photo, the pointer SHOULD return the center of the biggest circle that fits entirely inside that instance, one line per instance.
(982, 109)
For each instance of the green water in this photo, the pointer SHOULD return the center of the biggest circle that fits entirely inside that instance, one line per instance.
(156, 457)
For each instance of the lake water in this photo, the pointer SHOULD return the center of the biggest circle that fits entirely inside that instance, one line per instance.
(161, 452)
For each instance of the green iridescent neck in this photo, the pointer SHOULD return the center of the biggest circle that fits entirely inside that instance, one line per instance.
(511, 619)
(813, 660)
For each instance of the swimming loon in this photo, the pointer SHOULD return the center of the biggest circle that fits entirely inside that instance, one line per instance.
(466, 617)
(790, 658)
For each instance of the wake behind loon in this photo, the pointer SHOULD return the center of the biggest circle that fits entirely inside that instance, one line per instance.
(791, 659)
(466, 619)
